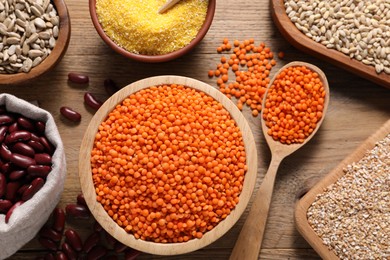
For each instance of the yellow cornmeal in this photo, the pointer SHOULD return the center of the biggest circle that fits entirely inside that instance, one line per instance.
(136, 25)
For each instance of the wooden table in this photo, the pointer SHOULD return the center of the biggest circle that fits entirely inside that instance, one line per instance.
(357, 108)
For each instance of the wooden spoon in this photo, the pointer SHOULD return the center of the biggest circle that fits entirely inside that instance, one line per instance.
(169, 4)
(249, 241)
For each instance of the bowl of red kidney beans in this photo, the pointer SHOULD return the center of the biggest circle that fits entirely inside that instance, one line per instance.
(32, 171)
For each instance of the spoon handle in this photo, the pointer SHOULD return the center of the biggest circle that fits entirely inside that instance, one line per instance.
(167, 5)
(249, 240)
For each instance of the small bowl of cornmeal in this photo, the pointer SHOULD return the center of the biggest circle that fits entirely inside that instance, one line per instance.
(137, 30)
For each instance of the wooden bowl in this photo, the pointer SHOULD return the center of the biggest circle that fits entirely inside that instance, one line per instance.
(53, 58)
(306, 201)
(305, 44)
(153, 58)
(106, 221)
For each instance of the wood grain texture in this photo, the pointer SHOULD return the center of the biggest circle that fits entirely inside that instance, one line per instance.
(251, 236)
(303, 205)
(304, 43)
(357, 108)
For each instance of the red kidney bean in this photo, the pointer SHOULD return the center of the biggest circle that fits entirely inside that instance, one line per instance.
(81, 200)
(22, 160)
(51, 234)
(48, 243)
(119, 247)
(35, 137)
(6, 119)
(6, 167)
(12, 189)
(5, 205)
(61, 256)
(22, 189)
(36, 145)
(91, 101)
(23, 148)
(70, 114)
(96, 252)
(26, 123)
(49, 256)
(91, 241)
(73, 238)
(38, 170)
(131, 254)
(12, 128)
(3, 184)
(78, 78)
(34, 187)
(11, 210)
(49, 148)
(3, 132)
(110, 86)
(5, 152)
(59, 219)
(17, 136)
(69, 251)
(16, 175)
(40, 127)
(42, 158)
(77, 211)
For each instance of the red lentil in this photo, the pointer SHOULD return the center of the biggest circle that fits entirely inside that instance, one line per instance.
(168, 163)
(250, 81)
(294, 104)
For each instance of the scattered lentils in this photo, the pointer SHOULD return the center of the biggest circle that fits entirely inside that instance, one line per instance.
(168, 163)
(28, 33)
(294, 104)
(359, 29)
(139, 28)
(251, 66)
(352, 216)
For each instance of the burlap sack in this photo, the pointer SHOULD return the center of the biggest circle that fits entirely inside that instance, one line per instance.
(27, 219)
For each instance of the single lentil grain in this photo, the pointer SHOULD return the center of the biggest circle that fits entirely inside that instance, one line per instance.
(139, 28)
(294, 104)
(168, 163)
(251, 81)
(352, 215)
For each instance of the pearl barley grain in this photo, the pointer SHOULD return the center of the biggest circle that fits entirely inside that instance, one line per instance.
(359, 29)
(352, 216)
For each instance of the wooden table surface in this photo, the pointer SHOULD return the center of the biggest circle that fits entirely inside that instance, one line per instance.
(357, 108)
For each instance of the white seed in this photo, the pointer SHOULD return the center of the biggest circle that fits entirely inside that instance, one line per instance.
(38, 22)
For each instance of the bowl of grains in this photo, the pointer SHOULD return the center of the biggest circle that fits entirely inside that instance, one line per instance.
(346, 214)
(353, 35)
(172, 165)
(138, 31)
(34, 37)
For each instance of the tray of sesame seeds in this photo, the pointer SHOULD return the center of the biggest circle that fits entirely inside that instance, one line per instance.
(353, 36)
(346, 214)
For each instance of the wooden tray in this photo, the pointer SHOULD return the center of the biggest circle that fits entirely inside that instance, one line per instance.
(305, 44)
(303, 204)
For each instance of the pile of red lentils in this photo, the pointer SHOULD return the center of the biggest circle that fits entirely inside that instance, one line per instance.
(168, 163)
(294, 104)
(251, 65)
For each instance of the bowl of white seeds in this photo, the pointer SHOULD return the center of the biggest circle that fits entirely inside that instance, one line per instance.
(34, 36)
